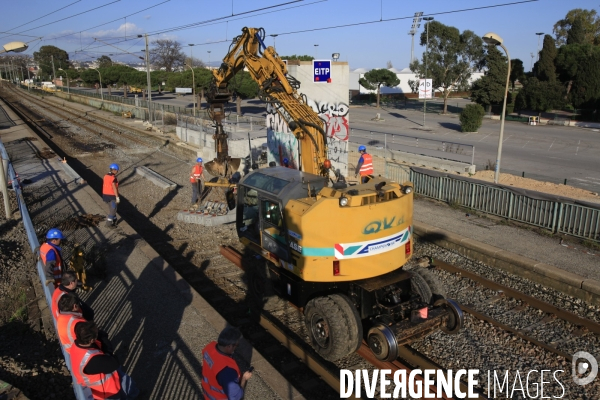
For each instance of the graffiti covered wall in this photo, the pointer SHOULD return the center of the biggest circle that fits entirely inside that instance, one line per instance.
(330, 101)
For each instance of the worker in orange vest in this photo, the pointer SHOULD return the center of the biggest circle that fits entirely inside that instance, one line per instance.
(197, 181)
(96, 369)
(51, 255)
(221, 377)
(69, 315)
(110, 194)
(68, 285)
(365, 165)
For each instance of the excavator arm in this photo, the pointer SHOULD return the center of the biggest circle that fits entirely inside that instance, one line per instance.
(276, 88)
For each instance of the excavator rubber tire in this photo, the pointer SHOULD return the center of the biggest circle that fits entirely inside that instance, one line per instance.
(333, 325)
(437, 291)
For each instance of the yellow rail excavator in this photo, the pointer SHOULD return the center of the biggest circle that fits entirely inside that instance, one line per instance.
(334, 250)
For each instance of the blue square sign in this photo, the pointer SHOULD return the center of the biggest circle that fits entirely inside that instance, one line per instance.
(322, 71)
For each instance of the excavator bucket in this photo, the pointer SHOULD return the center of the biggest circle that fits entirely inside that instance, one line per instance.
(225, 168)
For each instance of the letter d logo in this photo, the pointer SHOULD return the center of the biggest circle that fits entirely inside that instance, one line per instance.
(583, 367)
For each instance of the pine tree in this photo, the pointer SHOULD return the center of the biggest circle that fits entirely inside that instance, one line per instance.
(545, 67)
(490, 88)
(576, 34)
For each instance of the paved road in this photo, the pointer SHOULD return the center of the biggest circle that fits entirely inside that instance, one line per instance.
(544, 152)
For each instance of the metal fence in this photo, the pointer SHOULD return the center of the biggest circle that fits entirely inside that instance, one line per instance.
(385, 144)
(556, 216)
(81, 393)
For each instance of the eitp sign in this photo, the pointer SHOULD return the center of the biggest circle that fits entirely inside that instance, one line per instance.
(322, 71)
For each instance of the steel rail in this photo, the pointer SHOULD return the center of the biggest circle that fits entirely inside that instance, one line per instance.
(531, 301)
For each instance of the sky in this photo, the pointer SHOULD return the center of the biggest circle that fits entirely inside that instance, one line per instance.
(366, 33)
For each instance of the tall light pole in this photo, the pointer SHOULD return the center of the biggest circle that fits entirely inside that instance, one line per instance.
(148, 78)
(531, 66)
(193, 88)
(539, 34)
(69, 83)
(415, 25)
(191, 55)
(427, 19)
(316, 51)
(100, 75)
(495, 40)
(208, 51)
(274, 36)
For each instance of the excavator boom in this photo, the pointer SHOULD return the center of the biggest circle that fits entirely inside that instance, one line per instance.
(276, 88)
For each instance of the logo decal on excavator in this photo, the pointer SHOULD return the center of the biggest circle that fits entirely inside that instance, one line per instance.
(381, 225)
(363, 249)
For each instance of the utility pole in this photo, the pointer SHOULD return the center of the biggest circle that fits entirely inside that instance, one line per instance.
(148, 79)
(53, 71)
(428, 19)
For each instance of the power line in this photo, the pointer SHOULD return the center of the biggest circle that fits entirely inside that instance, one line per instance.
(400, 18)
(214, 22)
(110, 22)
(69, 17)
(43, 16)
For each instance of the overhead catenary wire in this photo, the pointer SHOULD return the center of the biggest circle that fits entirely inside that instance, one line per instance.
(110, 22)
(45, 15)
(69, 17)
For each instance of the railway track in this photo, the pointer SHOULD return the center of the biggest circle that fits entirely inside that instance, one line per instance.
(224, 286)
(573, 327)
(71, 122)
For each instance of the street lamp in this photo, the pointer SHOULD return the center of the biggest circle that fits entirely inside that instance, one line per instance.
(335, 56)
(208, 51)
(100, 75)
(69, 83)
(316, 51)
(539, 34)
(427, 19)
(274, 36)
(495, 40)
(15, 47)
(193, 88)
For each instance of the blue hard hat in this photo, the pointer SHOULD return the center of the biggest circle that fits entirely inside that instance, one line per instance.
(285, 161)
(362, 148)
(54, 234)
(114, 166)
(199, 159)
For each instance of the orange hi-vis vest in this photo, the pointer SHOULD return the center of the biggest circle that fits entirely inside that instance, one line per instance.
(57, 269)
(367, 166)
(101, 385)
(213, 362)
(56, 295)
(107, 188)
(65, 325)
(196, 173)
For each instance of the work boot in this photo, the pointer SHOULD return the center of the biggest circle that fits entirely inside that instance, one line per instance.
(110, 224)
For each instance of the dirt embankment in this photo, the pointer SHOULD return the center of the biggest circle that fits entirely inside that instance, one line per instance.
(540, 186)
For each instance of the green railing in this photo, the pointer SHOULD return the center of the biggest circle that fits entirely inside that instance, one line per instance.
(556, 216)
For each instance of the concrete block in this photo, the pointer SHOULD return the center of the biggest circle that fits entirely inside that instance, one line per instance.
(155, 178)
(560, 275)
(206, 220)
(592, 286)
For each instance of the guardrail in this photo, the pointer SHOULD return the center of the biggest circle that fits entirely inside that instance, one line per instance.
(81, 393)
(556, 216)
